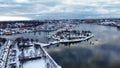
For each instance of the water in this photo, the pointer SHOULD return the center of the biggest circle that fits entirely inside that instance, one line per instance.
(102, 51)
(41, 36)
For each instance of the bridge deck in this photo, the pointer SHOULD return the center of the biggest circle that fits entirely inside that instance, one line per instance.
(35, 64)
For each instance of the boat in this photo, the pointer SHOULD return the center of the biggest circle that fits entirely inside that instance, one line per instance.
(8, 32)
(66, 36)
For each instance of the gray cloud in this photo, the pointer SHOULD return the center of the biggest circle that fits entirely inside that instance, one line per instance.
(47, 9)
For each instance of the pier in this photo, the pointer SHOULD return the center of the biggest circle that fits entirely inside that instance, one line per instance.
(15, 57)
(17, 53)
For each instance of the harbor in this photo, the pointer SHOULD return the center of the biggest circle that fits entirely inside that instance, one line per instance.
(42, 48)
(20, 50)
(60, 34)
(16, 55)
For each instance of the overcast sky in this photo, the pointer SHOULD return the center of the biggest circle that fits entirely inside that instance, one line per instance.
(60, 9)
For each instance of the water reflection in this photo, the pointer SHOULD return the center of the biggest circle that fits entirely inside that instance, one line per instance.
(102, 51)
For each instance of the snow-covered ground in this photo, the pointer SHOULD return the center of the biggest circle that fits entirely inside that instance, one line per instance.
(35, 64)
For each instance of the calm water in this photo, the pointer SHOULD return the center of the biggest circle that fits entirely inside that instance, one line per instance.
(102, 51)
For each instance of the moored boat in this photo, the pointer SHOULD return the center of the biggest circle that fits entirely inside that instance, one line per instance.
(8, 32)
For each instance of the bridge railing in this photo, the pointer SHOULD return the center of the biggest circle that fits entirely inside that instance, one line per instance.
(50, 62)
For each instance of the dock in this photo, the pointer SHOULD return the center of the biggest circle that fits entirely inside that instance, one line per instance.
(15, 57)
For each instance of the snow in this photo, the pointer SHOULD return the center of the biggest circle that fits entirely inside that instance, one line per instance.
(35, 64)
(31, 51)
(42, 44)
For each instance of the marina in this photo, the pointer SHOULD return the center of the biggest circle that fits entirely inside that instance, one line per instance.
(34, 49)
(60, 34)
(65, 36)
(16, 55)
(20, 50)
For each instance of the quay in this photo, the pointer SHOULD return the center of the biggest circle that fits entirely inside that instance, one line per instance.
(21, 51)
(16, 57)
